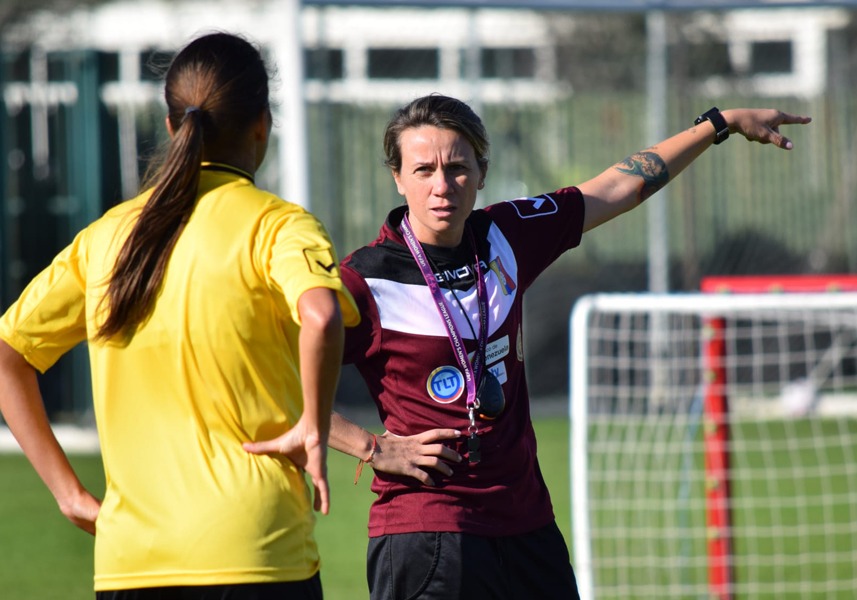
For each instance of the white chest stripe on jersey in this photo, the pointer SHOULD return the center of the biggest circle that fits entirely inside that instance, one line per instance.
(407, 308)
(410, 309)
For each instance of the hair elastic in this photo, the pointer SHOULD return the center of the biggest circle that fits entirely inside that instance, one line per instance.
(191, 109)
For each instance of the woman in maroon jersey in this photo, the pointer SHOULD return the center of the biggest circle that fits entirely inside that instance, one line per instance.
(462, 509)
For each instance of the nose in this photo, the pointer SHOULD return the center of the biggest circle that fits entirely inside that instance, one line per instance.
(440, 183)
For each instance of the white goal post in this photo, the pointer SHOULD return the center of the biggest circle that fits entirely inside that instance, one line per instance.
(713, 445)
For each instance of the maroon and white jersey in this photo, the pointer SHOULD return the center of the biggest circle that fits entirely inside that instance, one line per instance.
(402, 349)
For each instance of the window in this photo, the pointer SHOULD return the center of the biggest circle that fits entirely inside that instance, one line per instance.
(323, 63)
(403, 63)
(58, 66)
(108, 66)
(771, 57)
(704, 59)
(17, 65)
(507, 63)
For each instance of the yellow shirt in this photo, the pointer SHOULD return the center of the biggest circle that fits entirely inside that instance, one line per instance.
(215, 365)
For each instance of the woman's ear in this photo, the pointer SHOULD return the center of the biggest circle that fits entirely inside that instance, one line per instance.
(262, 128)
(261, 133)
(169, 127)
(398, 179)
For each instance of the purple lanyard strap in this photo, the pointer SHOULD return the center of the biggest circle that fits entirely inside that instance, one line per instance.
(472, 373)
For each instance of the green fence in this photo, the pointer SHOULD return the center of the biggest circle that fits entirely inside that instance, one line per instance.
(739, 209)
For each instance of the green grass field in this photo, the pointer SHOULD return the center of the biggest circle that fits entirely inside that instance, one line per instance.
(794, 518)
(46, 558)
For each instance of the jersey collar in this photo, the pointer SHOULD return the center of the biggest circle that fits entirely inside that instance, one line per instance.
(213, 166)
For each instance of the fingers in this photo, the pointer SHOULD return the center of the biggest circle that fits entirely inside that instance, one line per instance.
(430, 455)
(435, 457)
(786, 119)
(431, 462)
(762, 125)
(266, 447)
(433, 435)
(782, 118)
(449, 454)
(418, 455)
(84, 513)
(784, 142)
(422, 477)
(322, 496)
(85, 525)
(438, 457)
(790, 119)
(307, 454)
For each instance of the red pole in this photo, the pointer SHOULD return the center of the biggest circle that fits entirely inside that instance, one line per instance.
(716, 433)
(719, 518)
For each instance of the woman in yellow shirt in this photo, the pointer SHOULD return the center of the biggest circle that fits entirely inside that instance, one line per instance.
(213, 313)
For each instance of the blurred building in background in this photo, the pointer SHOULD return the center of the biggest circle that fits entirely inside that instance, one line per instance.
(564, 94)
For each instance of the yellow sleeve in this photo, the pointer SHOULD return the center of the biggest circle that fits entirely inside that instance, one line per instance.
(49, 317)
(301, 256)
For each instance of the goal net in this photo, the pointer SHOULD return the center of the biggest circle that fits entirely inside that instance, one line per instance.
(713, 445)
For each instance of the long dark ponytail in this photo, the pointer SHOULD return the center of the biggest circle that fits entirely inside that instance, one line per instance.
(215, 88)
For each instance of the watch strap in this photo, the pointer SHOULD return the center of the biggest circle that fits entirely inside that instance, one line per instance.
(721, 129)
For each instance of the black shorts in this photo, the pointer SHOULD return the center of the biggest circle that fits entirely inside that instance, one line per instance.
(309, 589)
(450, 566)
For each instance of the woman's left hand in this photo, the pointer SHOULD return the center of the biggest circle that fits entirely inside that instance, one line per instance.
(307, 450)
(762, 124)
(82, 510)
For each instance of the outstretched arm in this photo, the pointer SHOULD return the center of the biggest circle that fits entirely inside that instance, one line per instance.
(320, 342)
(630, 182)
(24, 411)
(398, 455)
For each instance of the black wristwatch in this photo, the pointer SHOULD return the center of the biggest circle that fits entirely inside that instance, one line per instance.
(721, 129)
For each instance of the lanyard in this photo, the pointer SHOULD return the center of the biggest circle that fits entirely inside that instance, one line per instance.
(472, 373)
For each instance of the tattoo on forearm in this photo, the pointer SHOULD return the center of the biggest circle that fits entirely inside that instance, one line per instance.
(650, 167)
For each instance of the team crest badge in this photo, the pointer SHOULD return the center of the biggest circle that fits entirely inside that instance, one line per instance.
(507, 285)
